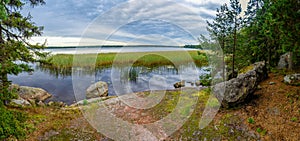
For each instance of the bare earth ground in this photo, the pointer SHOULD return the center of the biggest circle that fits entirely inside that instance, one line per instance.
(272, 114)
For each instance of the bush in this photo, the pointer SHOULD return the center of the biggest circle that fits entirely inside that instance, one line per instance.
(12, 124)
(205, 80)
(251, 120)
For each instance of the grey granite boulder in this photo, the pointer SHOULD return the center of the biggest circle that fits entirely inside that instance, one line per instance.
(283, 62)
(31, 93)
(292, 79)
(235, 91)
(19, 102)
(99, 89)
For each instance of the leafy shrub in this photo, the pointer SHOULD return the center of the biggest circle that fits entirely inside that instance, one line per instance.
(12, 124)
(205, 80)
(85, 102)
(294, 119)
(251, 120)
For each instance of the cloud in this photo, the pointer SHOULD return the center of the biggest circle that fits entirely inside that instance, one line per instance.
(126, 20)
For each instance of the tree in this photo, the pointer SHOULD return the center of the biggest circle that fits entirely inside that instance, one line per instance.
(226, 24)
(219, 30)
(251, 13)
(286, 14)
(15, 50)
(219, 27)
(273, 29)
(235, 22)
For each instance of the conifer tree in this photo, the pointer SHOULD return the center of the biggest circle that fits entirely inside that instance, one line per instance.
(15, 50)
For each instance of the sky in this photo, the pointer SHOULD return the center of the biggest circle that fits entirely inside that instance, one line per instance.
(123, 22)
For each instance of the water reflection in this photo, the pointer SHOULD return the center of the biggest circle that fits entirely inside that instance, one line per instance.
(58, 80)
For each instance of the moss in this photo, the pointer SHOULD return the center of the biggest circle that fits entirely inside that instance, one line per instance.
(246, 69)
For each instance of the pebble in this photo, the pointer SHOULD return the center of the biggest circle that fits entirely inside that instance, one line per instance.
(272, 83)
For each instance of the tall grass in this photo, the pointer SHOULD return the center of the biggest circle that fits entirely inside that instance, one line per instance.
(136, 58)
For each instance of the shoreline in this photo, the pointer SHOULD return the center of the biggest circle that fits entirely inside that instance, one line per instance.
(117, 50)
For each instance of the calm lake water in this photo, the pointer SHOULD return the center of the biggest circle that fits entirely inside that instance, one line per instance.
(88, 50)
(58, 82)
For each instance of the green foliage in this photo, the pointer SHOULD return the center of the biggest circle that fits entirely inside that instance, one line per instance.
(261, 131)
(16, 51)
(251, 120)
(205, 79)
(213, 102)
(12, 124)
(268, 29)
(294, 119)
(85, 102)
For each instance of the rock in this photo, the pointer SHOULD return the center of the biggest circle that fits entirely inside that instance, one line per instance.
(192, 83)
(237, 90)
(32, 93)
(197, 83)
(92, 100)
(40, 103)
(51, 103)
(19, 102)
(292, 79)
(274, 111)
(283, 62)
(98, 89)
(259, 87)
(179, 84)
(272, 83)
(57, 104)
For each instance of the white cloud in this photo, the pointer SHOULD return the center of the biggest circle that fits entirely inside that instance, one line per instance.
(71, 41)
(67, 19)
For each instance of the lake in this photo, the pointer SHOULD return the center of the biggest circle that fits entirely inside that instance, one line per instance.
(59, 83)
(87, 50)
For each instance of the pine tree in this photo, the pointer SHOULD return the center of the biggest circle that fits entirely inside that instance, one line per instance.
(219, 30)
(235, 22)
(15, 50)
(219, 27)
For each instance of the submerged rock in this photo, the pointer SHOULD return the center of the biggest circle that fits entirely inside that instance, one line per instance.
(236, 90)
(98, 89)
(179, 84)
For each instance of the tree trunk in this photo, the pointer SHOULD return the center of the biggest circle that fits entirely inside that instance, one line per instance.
(233, 51)
(224, 64)
(290, 60)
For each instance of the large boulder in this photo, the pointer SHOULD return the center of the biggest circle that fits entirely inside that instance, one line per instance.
(31, 93)
(283, 62)
(292, 79)
(237, 90)
(99, 89)
(19, 102)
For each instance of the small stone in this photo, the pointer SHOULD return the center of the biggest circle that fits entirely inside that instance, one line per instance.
(179, 84)
(40, 103)
(197, 83)
(259, 87)
(272, 83)
(143, 114)
(50, 103)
